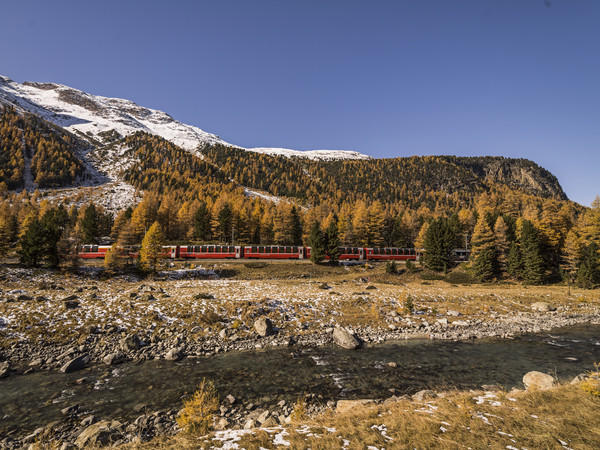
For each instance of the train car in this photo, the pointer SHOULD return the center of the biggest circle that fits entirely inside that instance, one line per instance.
(275, 252)
(352, 254)
(206, 252)
(92, 251)
(346, 254)
(390, 254)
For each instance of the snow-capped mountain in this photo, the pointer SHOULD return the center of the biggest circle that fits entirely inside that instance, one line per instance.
(100, 118)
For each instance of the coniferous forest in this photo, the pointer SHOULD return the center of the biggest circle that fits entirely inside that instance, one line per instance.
(516, 229)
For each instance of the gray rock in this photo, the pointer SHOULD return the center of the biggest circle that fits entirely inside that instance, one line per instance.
(423, 395)
(130, 343)
(76, 364)
(453, 313)
(263, 417)
(343, 406)
(4, 369)
(146, 297)
(223, 333)
(113, 358)
(345, 339)
(69, 410)
(538, 381)
(231, 399)
(174, 354)
(71, 304)
(98, 434)
(263, 326)
(222, 424)
(249, 424)
(543, 307)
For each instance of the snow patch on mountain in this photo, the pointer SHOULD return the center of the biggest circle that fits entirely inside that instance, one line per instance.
(103, 119)
(323, 155)
(96, 117)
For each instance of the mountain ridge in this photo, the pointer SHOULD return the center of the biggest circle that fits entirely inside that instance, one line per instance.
(92, 115)
(115, 137)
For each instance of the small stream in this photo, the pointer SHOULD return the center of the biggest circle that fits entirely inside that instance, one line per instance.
(264, 377)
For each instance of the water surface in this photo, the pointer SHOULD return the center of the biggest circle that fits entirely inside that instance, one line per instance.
(264, 377)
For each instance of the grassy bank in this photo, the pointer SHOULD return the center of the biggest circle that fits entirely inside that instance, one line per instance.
(563, 417)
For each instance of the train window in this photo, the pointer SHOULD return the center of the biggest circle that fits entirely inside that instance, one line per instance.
(231, 249)
(87, 248)
(211, 249)
(394, 251)
(95, 249)
(294, 249)
(261, 249)
(253, 250)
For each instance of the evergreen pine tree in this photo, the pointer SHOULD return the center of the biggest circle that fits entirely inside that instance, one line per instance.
(151, 250)
(484, 264)
(295, 227)
(533, 263)
(53, 223)
(89, 225)
(201, 222)
(588, 274)
(30, 243)
(333, 242)
(316, 241)
(514, 263)
(439, 243)
(501, 243)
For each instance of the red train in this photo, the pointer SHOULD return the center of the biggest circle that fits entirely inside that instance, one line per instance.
(269, 252)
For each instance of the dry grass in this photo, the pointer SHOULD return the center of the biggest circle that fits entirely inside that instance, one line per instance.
(291, 297)
(563, 417)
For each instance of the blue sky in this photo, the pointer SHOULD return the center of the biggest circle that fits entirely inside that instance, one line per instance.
(517, 78)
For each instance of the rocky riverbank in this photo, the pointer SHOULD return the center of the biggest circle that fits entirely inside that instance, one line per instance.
(54, 323)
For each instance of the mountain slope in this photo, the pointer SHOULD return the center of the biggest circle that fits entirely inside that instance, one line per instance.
(102, 120)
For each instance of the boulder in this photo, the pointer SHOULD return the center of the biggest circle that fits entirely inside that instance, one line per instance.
(98, 434)
(4, 369)
(345, 339)
(348, 405)
(175, 354)
(538, 381)
(425, 394)
(71, 304)
(130, 343)
(113, 358)
(147, 297)
(271, 422)
(222, 424)
(263, 417)
(76, 363)
(231, 399)
(543, 307)
(263, 326)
